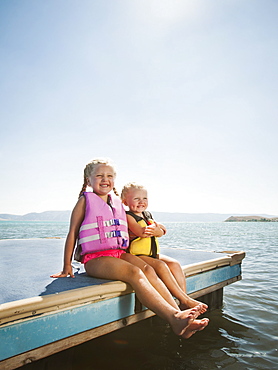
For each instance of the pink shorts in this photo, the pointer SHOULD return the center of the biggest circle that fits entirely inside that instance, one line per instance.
(111, 253)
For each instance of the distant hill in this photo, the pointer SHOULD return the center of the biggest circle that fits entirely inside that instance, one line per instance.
(64, 216)
(251, 219)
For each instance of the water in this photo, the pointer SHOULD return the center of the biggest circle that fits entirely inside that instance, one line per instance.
(241, 335)
(32, 229)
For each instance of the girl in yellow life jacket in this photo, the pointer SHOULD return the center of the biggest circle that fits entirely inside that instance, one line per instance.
(143, 234)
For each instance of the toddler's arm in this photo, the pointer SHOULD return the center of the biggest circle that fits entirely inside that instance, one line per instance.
(163, 228)
(155, 229)
(134, 227)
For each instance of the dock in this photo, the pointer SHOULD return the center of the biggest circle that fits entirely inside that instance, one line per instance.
(40, 316)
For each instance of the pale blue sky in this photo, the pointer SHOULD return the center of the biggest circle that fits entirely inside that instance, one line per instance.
(182, 95)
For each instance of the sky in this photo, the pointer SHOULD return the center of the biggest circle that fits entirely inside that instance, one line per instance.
(180, 94)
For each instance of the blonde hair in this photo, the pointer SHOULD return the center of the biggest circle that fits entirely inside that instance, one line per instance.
(130, 186)
(89, 169)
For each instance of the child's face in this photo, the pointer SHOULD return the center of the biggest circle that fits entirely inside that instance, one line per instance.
(136, 200)
(102, 179)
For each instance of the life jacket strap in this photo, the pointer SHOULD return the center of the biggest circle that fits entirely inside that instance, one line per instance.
(109, 234)
(112, 222)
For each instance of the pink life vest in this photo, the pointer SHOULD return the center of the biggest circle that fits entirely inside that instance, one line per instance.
(103, 227)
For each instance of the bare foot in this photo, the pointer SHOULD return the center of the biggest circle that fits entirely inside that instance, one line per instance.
(196, 325)
(190, 303)
(182, 319)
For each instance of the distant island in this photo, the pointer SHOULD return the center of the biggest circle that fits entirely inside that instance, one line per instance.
(64, 216)
(251, 219)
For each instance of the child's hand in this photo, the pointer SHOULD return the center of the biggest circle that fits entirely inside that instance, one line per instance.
(153, 230)
(66, 271)
(149, 230)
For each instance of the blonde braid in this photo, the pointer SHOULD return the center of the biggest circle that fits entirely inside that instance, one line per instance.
(84, 186)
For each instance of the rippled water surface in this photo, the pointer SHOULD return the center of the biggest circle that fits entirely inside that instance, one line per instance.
(32, 229)
(241, 335)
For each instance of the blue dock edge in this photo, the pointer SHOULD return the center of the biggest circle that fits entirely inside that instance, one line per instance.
(69, 311)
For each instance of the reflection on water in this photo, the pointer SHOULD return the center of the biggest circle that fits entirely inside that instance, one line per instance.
(225, 344)
(151, 345)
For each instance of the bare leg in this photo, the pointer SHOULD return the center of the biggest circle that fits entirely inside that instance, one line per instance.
(118, 269)
(151, 275)
(175, 269)
(178, 274)
(168, 279)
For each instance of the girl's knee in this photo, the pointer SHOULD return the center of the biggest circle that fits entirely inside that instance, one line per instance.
(161, 266)
(174, 265)
(172, 262)
(132, 272)
(149, 271)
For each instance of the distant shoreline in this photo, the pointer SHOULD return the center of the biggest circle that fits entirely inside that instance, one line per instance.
(64, 216)
(251, 219)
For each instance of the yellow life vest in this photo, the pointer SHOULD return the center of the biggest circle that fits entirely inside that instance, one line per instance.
(143, 246)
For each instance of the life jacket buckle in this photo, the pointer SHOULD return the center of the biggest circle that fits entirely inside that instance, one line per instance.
(116, 222)
(117, 233)
(124, 242)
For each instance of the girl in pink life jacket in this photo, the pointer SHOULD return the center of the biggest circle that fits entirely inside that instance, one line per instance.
(114, 263)
(143, 232)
